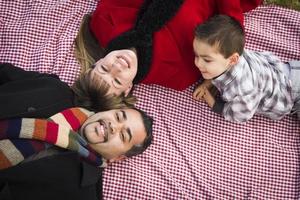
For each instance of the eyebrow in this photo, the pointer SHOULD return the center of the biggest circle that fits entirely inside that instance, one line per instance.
(128, 129)
(204, 56)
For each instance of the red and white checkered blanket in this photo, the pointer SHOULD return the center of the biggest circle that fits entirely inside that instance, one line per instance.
(195, 154)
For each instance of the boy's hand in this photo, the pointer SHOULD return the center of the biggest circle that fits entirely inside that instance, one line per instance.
(198, 93)
(209, 98)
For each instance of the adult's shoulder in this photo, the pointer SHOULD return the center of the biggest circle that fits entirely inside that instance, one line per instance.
(37, 97)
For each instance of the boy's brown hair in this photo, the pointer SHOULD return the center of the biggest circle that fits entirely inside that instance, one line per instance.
(224, 32)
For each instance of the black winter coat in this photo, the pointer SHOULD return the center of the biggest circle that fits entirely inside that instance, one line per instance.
(58, 177)
(31, 94)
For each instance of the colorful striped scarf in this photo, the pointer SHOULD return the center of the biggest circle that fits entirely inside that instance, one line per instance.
(23, 137)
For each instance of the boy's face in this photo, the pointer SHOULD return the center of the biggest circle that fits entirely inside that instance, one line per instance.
(209, 61)
(112, 133)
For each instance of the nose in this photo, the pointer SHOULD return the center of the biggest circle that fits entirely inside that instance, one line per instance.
(119, 66)
(115, 69)
(115, 127)
(198, 64)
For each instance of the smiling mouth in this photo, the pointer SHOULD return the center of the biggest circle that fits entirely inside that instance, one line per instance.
(102, 130)
(124, 59)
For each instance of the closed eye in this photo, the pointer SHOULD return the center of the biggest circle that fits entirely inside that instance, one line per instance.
(104, 68)
(126, 136)
(118, 82)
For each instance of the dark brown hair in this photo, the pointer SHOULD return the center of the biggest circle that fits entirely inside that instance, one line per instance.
(224, 32)
(140, 148)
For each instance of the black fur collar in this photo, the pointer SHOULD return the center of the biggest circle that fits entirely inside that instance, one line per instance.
(153, 15)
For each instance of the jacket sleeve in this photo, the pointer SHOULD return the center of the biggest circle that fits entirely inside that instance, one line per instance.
(241, 108)
(219, 105)
(9, 72)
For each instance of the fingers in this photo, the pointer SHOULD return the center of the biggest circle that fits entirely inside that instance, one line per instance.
(209, 98)
(203, 93)
(198, 93)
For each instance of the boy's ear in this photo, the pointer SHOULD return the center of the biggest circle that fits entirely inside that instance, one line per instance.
(122, 157)
(234, 58)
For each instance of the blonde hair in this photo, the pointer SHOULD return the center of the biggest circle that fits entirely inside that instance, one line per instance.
(87, 50)
(89, 92)
(92, 93)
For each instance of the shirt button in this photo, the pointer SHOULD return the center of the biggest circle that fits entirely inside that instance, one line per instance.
(31, 109)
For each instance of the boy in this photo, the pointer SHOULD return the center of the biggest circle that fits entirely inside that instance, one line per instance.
(248, 82)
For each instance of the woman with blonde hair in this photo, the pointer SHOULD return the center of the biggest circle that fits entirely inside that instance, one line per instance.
(154, 39)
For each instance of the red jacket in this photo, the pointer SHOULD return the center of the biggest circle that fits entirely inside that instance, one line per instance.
(173, 58)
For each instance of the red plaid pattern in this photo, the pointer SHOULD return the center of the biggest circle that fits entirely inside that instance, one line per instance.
(38, 35)
(196, 154)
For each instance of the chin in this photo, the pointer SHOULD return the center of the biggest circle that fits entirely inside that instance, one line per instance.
(206, 77)
(85, 137)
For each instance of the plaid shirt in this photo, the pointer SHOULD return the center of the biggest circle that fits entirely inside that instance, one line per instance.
(257, 84)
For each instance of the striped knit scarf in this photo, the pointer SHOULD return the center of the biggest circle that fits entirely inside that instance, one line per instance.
(23, 137)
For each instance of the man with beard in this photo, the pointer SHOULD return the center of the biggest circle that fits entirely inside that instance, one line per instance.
(56, 172)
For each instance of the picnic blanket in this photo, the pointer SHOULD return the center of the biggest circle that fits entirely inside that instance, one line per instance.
(196, 154)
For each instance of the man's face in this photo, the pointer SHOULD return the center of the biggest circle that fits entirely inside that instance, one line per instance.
(117, 69)
(209, 61)
(112, 133)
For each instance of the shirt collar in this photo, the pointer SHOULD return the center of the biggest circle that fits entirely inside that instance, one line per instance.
(229, 75)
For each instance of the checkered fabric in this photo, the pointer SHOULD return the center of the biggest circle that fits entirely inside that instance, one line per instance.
(196, 154)
(38, 35)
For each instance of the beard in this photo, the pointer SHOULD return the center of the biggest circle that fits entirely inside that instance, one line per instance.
(84, 133)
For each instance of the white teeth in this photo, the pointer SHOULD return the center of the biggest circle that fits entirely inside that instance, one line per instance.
(124, 62)
(102, 130)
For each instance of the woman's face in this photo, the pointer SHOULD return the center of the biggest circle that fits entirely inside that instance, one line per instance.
(117, 69)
